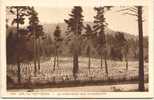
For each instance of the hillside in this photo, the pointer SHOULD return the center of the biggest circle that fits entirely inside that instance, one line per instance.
(49, 29)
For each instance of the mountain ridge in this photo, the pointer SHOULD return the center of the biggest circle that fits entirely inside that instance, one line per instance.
(50, 27)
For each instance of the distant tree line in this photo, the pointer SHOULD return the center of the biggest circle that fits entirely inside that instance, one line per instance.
(47, 48)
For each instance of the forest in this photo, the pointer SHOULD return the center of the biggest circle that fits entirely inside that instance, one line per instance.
(74, 49)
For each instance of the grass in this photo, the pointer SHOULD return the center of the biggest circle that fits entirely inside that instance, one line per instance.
(62, 76)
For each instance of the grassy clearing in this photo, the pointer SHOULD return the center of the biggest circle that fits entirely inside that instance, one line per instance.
(63, 73)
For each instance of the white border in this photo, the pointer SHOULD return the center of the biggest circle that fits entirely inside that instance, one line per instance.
(63, 3)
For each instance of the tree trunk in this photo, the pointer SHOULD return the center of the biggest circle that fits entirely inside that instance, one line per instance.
(106, 67)
(18, 58)
(126, 60)
(75, 59)
(75, 64)
(38, 53)
(35, 66)
(54, 65)
(101, 61)
(19, 73)
(55, 57)
(75, 53)
(141, 61)
(88, 53)
(89, 61)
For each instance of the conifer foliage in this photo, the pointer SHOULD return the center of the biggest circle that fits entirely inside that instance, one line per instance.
(75, 25)
(99, 29)
(36, 32)
(20, 13)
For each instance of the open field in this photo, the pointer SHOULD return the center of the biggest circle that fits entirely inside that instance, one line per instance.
(46, 74)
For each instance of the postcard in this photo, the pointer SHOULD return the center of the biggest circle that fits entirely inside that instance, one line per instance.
(77, 48)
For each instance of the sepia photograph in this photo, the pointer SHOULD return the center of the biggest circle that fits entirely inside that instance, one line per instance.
(77, 49)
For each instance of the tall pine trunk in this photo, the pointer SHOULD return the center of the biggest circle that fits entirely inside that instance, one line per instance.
(106, 67)
(75, 64)
(126, 60)
(89, 59)
(18, 58)
(101, 60)
(19, 70)
(141, 60)
(55, 58)
(75, 53)
(105, 47)
(35, 66)
(38, 53)
(54, 63)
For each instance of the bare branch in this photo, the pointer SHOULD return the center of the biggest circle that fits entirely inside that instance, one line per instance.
(130, 14)
(134, 8)
(128, 9)
(123, 10)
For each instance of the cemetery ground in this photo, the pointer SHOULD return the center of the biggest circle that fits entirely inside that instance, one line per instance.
(62, 78)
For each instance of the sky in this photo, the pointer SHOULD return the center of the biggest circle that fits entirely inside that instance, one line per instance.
(116, 20)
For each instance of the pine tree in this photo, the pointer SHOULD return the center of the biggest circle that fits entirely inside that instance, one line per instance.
(99, 28)
(123, 47)
(120, 42)
(36, 31)
(20, 12)
(75, 25)
(58, 39)
(89, 42)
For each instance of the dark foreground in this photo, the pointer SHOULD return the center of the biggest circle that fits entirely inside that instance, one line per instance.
(76, 83)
